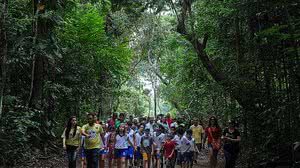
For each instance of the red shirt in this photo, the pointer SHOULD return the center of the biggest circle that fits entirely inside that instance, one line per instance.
(215, 132)
(169, 146)
(169, 121)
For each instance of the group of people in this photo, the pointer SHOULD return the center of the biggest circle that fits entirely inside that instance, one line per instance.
(148, 142)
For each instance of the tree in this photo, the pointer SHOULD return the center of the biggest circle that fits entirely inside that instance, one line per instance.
(3, 53)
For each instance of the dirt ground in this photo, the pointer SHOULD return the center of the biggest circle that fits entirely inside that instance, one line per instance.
(59, 160)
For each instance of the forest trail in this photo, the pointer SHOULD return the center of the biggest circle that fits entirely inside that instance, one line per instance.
(60, 161)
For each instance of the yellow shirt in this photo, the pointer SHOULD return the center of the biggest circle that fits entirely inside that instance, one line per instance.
(73, 141)
(197, 131)
(94, 140)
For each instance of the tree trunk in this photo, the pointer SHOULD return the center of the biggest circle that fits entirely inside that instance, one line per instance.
(3, 51)
(37, 73)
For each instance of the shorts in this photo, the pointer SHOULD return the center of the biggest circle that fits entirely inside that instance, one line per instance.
(157, 154)
(82, 153)
(215, 152)
(188, 156)
(179, 157)
(103, 152)
(146, 156)
(137, 153)
(119, 153)
(130, 152)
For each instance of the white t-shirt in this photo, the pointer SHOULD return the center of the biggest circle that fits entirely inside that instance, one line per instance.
(130, 136)
(121, 142)
(106, 138)
(187, 145)
(174, 124)
(150, 126)
(158, 140)
(138, 138)
(177, 141)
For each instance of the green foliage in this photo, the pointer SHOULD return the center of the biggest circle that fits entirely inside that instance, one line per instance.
(82, 69)
(111, 56)
(19, 128)
(133, 101)
(90, 55)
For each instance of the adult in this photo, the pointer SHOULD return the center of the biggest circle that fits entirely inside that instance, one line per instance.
(93, 141)
(231, 137)
(71, 140)
(197, 135)
(213, 133)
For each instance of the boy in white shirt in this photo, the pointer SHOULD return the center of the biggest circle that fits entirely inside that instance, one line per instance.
(187, 149)
(159, 139)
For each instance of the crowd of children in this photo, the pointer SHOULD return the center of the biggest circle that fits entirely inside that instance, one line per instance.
(147, 142)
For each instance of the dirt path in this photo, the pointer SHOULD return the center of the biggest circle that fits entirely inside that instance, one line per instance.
(59, 160)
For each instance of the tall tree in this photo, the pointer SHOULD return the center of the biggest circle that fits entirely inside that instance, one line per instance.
(3, 52)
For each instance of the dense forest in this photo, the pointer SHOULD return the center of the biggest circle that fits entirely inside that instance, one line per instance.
(191, 58)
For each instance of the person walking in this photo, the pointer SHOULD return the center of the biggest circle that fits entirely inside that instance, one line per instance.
(213, 133)
(197, 135)
(93, 141)
(71, 140)
(231, 137)
(147, 148)
(121, 146)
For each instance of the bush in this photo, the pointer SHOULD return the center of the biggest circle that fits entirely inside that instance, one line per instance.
(19, 131)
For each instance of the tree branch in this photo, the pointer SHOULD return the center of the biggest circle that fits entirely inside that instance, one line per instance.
(174, 8)
(220, 77)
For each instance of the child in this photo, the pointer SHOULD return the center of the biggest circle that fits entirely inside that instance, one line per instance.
(110, 138)
(103, 150)
(187, 149)
(82, 154)
(131, 148)
(138, 155)
(159, 139)
(147, 146)
(178, 134)
(121, 146)
(169, 151)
